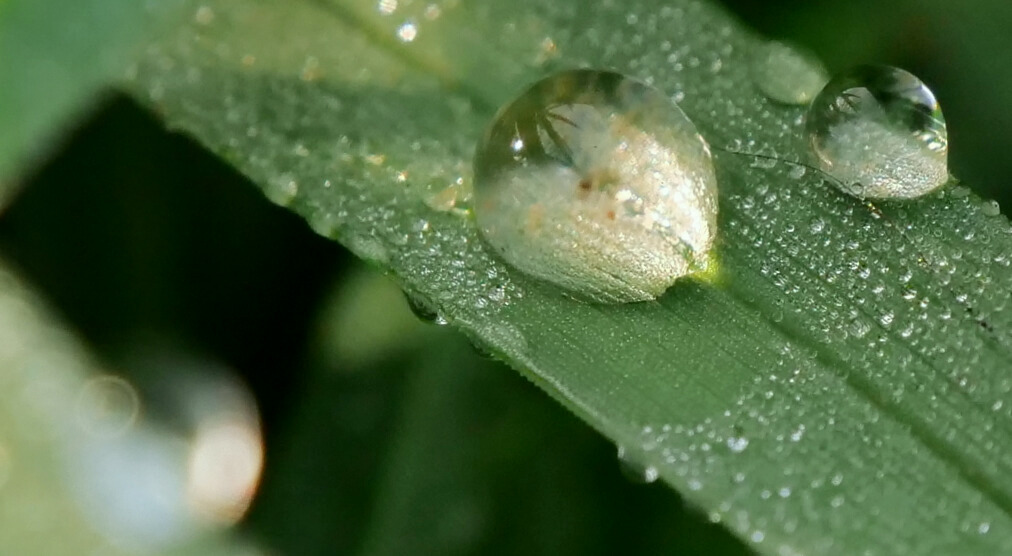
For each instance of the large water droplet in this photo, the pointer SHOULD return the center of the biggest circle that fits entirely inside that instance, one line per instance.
(788, 74)
(598, 183)
(879, 131)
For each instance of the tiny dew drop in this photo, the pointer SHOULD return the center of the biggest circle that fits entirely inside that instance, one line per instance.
(423, 310)
(880, 133)
(597, 183)
(635, 471)
(788, 74)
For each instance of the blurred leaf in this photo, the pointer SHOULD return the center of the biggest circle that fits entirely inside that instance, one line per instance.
(81, 468)
(54, 56)
(839, 386)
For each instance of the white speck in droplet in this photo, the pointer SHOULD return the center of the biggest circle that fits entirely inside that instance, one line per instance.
(983, 528)
(407, 32)
(387, 7)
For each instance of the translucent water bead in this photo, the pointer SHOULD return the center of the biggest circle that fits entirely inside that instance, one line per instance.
(597, 183)
(787, 74)
(880, 132)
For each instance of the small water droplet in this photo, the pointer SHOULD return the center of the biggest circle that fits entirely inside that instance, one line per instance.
(737, 444)
(107, 406)
(204, 15)
(990, 208)
(407, 32)
(787, 73)
(597, 183)
(424, 310)
(879, 131)
(635, 471)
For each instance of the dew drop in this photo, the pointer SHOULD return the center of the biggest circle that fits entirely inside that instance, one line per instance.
(990, 208)
(407, 32)
(597, 183)
(788, 74)
(879, 131)
(635, 471)
(422, 309)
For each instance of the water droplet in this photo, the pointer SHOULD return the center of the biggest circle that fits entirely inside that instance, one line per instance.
(990, 208)
(879, 131)
(597, 183)
(737, 444)
(788, 74)
(107, 406)
(407, 32)
(635, 471)
(204, 15)
(423, 310)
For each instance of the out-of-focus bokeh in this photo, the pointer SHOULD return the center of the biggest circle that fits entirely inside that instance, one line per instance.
(248, 387)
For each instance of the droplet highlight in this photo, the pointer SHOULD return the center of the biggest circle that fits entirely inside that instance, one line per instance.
(788, 74)
(599, 184)
(880, 133)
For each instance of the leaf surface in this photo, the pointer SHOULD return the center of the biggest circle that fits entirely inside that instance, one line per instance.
(838, 384)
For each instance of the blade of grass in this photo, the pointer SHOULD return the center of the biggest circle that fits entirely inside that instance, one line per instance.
(836, 385)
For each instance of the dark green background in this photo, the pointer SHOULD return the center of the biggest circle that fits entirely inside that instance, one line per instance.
(138, 237)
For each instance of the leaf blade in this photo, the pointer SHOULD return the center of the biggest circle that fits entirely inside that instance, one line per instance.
(809, 330)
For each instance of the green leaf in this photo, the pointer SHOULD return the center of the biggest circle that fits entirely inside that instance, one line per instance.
(54, 57)
(838, 384)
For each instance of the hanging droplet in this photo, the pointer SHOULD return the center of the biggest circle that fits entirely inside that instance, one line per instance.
(598, 183)
(879, 131)
(788, 74)
(635, 471)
